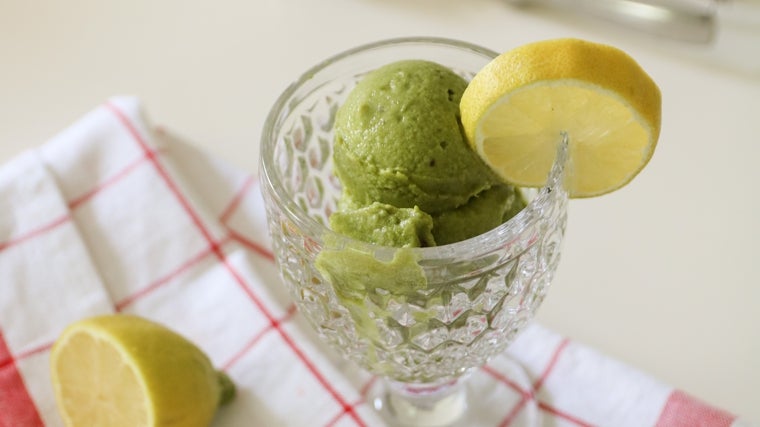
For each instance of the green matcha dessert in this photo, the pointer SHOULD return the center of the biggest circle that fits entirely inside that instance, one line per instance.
(409, 177)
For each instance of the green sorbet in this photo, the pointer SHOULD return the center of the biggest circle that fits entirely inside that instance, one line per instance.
(409, 180)
(486, 211)
(398, 140)
(385, 225)
(358, 278)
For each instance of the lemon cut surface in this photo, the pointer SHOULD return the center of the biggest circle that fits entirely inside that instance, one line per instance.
(516, 108)
(121, 370)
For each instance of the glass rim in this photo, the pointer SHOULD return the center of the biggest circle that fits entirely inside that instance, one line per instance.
(482, 243)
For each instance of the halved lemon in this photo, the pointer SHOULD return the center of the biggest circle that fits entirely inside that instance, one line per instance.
(121, 370)
(515, 109)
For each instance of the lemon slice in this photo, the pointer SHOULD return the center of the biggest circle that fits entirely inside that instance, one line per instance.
(121, 370)
(515, 109)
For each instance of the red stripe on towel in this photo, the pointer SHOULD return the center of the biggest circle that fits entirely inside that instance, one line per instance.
(16, 405)
(683, 410)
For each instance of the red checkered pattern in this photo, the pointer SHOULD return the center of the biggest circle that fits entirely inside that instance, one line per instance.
(114, 215)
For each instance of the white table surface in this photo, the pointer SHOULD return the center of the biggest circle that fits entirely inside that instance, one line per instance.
(663, 274)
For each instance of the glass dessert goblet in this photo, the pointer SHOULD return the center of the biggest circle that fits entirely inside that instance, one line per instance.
(422, 319)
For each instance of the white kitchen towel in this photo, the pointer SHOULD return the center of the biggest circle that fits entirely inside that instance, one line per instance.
(116, 215)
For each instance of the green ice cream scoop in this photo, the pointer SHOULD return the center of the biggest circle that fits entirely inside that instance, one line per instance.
(398, 140)
(385, 225)
(483, 212)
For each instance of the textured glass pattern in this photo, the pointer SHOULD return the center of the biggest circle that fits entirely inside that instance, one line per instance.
(478, 293)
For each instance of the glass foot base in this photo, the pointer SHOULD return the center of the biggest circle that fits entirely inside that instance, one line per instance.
(457, 403)
(420, 405)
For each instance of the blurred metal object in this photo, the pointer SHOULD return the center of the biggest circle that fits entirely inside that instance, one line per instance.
(690, 21)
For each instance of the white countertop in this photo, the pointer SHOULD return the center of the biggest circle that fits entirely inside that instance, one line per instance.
(663, 274)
